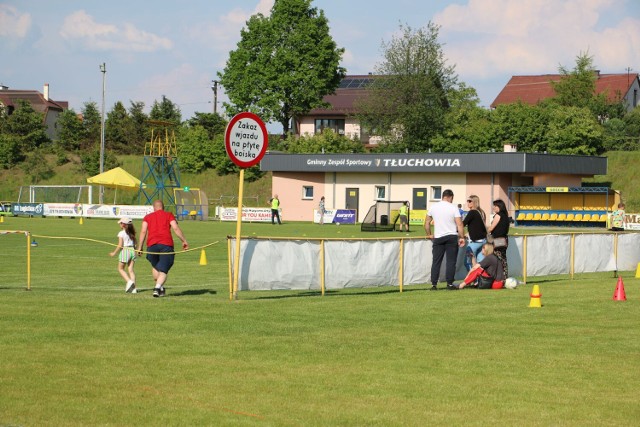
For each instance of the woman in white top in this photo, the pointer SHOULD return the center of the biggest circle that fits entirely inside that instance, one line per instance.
(126, 247)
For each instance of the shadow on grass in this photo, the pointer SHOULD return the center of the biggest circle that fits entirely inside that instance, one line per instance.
(338, 292)
(192, 292)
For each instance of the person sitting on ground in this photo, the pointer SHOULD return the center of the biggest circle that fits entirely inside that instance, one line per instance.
(488, 272)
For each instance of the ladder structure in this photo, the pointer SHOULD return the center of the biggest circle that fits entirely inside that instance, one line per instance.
(160, 168)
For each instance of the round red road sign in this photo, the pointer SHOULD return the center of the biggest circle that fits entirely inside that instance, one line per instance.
(246, 139)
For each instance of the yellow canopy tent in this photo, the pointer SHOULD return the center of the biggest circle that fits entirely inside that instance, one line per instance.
(116, 178)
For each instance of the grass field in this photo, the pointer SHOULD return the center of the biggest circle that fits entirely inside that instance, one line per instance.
(77, 350)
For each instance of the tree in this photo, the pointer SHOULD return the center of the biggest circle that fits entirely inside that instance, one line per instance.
(573, 130)
(139, 121)
(213, 123)
(166, 110)
(119, 130)
(28, 126)
(284, 64)
(326, 142)
(407, 103)
(195, 149)
(522, 125)
(91, 126)
(69, 130)
(577, 88)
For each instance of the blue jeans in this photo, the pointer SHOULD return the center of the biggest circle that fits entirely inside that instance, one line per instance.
(474, 249)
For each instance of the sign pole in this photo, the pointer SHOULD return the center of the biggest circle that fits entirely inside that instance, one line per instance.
(236, 262)
(245, 141)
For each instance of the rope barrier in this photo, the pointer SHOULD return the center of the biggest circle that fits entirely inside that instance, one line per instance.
(40, 236)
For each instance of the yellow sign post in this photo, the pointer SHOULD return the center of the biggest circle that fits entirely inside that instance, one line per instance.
(246, 142)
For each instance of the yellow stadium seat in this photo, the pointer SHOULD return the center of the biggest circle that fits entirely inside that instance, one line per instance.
(545, 217)
(553, 217)
(521, 216)
(595, 218)
(603, 217)
(562, 217)
(529, 216)
(578, 217)
(537, 216)
(586, 217)
(570, 217)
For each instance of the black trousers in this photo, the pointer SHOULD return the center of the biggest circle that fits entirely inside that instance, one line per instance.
(446, 245)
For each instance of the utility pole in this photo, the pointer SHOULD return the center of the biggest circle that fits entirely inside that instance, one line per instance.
(103, 69)
(214, 88)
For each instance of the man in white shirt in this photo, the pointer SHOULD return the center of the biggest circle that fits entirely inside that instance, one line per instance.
(448, 235)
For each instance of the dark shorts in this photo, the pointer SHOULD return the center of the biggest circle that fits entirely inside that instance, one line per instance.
(162, 263)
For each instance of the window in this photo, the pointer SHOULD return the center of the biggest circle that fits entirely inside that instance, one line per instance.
(337, 125)
(436, 193)
(307, 192)
(381, 192)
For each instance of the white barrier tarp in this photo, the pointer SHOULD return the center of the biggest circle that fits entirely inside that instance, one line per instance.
(279, 264)
(295, 264)
(369, 263)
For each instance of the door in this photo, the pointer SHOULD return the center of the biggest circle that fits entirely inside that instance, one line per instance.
(351, 199)
(419, 199)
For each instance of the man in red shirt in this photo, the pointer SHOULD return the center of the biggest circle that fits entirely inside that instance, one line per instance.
(156, 228)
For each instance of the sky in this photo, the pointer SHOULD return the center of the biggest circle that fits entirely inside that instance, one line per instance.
(174, 48)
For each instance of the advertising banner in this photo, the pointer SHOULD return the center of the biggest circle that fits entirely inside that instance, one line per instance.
(27, 209)
(248, 214)
(63, 209)
(336, 216)
(116, 211)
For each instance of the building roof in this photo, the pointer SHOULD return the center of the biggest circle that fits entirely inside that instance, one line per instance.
(533, 89)
(10, 97)
(517, 162)
(343, 101)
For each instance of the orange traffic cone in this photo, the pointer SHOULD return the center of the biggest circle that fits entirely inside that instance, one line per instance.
(535, 301)
(619, 294)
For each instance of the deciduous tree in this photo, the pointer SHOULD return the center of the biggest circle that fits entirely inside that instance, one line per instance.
(284, 64)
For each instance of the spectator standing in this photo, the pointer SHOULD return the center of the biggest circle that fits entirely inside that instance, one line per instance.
(322, 210)
(618, 218)
(475, 220)
(275, 210)
(499, 228)
(156, 229)
(404, 217)
(448, 236)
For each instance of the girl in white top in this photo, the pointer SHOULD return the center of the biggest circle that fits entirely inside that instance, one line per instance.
(126, 244)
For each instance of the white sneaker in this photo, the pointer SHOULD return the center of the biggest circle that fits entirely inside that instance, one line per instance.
(130, 286)
(134, 291)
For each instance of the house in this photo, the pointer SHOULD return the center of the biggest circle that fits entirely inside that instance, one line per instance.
(533, 89)
(340, 115)
(40, 102)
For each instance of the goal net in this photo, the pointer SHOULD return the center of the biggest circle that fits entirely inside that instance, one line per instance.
(56, 194)
(382, 216)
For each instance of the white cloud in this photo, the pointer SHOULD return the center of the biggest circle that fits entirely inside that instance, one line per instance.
(224, 34)
(535, 36)
(106, 37)
(12, 23)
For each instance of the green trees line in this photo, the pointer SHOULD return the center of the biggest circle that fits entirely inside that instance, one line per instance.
(287, 62)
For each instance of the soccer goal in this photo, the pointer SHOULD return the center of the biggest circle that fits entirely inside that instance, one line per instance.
(382, 216)
(191, 203)
(56, 194)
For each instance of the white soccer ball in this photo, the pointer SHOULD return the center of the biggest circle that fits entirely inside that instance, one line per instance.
(337, 223)
(511, 283)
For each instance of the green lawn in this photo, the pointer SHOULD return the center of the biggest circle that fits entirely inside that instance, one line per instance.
(77, 350)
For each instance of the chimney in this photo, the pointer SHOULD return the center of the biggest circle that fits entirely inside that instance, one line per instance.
(46, 91)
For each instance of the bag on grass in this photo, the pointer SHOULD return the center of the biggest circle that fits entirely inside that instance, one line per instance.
(485, 282)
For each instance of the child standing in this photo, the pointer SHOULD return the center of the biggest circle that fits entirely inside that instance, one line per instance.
(127, 243)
